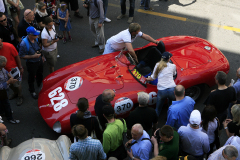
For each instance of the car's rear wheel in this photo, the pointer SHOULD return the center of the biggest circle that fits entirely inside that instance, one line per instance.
(195, 92)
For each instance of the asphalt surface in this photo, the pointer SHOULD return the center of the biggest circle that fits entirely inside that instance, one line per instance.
(217, 21)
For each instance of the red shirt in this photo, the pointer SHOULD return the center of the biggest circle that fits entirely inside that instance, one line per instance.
(10, 52)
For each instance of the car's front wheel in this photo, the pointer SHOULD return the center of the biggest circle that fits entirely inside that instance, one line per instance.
(195, 92)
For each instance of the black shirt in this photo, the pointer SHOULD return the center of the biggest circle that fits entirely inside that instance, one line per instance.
(98, 110)
(146, 116)
(23, 25)
(221, 99)
(41, 19)
(90, 123)
(6, 32)
(234, 128)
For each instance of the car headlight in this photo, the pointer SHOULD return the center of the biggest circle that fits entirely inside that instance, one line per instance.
(57, 127)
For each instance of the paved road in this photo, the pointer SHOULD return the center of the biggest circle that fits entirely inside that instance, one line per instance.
(217, 21)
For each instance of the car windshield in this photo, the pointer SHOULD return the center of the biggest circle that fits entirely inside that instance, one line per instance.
(126, 59)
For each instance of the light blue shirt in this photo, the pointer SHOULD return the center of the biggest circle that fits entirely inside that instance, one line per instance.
(236, 86)
(179, 112)
(143, 148)
(87, 148)
(193, 141)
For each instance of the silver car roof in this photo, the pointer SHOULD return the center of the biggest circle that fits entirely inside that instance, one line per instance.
(38, 147)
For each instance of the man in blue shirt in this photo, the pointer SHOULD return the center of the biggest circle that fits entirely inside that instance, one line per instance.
(34, 62)
(179, 112)
(141, 146)
(236, 86)
(86, 147)
(192, 140)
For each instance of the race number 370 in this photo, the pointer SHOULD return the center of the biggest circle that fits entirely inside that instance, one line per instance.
(123, 105)
(55, 96)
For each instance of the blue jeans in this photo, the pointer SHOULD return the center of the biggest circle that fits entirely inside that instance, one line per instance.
(146, 4)
(131, 9)
(108, 49)
(105, 7)
(162, 95)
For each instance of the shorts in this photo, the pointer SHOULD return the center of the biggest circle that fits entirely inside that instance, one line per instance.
(13, 14)
(51, 57)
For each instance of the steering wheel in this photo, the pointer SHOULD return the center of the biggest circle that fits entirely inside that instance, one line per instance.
(131, 59)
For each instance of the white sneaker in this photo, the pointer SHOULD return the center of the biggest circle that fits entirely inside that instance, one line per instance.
(58, 56)
(107, 20)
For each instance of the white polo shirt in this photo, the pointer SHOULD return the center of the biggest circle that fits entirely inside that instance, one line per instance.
(118, 41)
(165, 77)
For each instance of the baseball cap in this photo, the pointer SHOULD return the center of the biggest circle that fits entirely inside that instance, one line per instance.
(108, 110)
(32, 31)
(166, 55)
(195, 117)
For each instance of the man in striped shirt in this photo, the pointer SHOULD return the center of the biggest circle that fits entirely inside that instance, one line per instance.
(86, 147)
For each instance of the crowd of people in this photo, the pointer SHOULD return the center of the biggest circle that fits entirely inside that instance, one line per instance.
(187, 134)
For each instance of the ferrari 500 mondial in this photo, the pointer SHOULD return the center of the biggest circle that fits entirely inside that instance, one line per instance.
(196, 59)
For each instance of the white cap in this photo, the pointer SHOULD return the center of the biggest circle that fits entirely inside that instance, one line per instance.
(195, 117)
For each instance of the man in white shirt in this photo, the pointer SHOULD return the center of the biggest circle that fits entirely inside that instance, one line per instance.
(228, 152)
(125, 38)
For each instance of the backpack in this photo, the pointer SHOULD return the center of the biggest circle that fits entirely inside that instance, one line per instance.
(25, 39)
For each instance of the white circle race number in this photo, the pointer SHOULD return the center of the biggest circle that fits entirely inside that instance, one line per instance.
(73, 83)
(122, 105)
(34, 154)
(152, 98)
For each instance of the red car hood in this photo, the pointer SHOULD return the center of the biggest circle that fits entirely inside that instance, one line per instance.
(100, 75)
(193, 55)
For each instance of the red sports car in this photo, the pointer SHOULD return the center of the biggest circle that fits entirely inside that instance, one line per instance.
(196, 59)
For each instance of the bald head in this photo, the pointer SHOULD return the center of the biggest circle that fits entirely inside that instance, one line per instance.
(238, 72)
(179, 91)
(137, 131)
(108, 95)
(29, 15)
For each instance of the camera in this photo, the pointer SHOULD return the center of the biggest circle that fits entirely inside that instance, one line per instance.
(56, 21)
(86, 2)
(39, 51)
(58, 36)
(129, 145)
(13, 9)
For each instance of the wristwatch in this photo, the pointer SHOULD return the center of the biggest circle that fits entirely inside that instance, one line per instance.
(226, 128)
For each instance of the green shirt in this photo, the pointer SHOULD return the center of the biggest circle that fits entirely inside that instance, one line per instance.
(170, 149)
(112, 136)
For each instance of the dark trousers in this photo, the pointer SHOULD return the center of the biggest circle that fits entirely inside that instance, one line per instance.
(35, 69)
(131, 9)
(6, 108)
(221, 117)
(73, 4)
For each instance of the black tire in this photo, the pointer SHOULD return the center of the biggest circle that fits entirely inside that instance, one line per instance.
(195, 92)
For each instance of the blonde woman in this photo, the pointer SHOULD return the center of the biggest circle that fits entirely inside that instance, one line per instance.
(15, 7)
(164, 71)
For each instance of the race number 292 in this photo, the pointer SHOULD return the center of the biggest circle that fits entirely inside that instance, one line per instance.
(34, 154)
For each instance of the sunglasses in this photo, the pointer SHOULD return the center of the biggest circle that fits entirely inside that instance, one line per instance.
(28, 13)
(3, 20)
